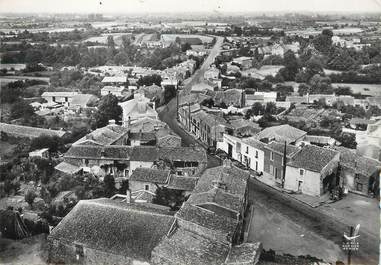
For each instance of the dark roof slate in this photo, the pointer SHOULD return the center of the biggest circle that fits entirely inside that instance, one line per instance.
(186, 247)
(361, 165)
(313, 158)
(182, 183)
(218, 196)
(235, 180)
(119, 152)
(207, 219)
(132, 230)
(150, 175)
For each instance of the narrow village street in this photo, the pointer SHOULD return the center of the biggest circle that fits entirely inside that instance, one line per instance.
(168, 114)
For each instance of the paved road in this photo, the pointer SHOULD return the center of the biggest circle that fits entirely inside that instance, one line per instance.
(198, 76)
(314, 221)
(168, 114)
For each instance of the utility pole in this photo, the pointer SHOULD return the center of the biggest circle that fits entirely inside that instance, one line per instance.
(189, 117)
(284, 163)
(215, 132)
(349, 250)
(177, 105)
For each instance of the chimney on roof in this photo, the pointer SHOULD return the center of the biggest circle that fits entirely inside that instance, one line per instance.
(128, 196)
(219, 183)
(111, 122)
(142, 106)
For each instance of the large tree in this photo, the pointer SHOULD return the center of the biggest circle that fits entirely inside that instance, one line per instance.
(291, 66)
(348, 140)
(30, 196)
(314, 66)
(256, 109)
(323, 41)
(21, 109)
(150, 80)
(341, 60)
(320, 84)
(169, 197)
(109, 185)
(54, 143)
(169, 93)
(108, 109)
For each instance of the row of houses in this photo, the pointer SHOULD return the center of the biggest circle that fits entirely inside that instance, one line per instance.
(208, 229)
(121, 160)
(130, 75)
(289, 159)
(209, 125)
(330, 99)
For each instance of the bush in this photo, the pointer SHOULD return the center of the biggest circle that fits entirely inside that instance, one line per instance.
(30, 196)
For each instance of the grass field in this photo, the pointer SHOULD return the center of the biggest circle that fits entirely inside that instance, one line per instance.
(365, 89)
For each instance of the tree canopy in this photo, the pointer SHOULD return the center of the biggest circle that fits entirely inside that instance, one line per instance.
(108, 109)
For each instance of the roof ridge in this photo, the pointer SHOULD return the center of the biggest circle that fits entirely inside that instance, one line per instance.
(126, 209)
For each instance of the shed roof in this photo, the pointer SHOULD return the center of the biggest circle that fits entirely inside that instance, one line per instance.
(59, 94)
(27, 131)
(182, 183)
(82, 99)
(67, 168)
(114, 79)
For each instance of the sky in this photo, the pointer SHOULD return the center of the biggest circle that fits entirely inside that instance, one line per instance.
(154, 6)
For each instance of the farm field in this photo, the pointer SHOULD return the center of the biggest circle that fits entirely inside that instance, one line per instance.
(365, 89)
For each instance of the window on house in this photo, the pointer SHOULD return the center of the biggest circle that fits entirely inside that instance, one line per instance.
(256, 153)
(146, 187)
(359, 186)
(86, 162)
(247, 149)
(79, 253)
(54, 99)
(271, 156)
(301, 172)
(271, 170)
(66, 99)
